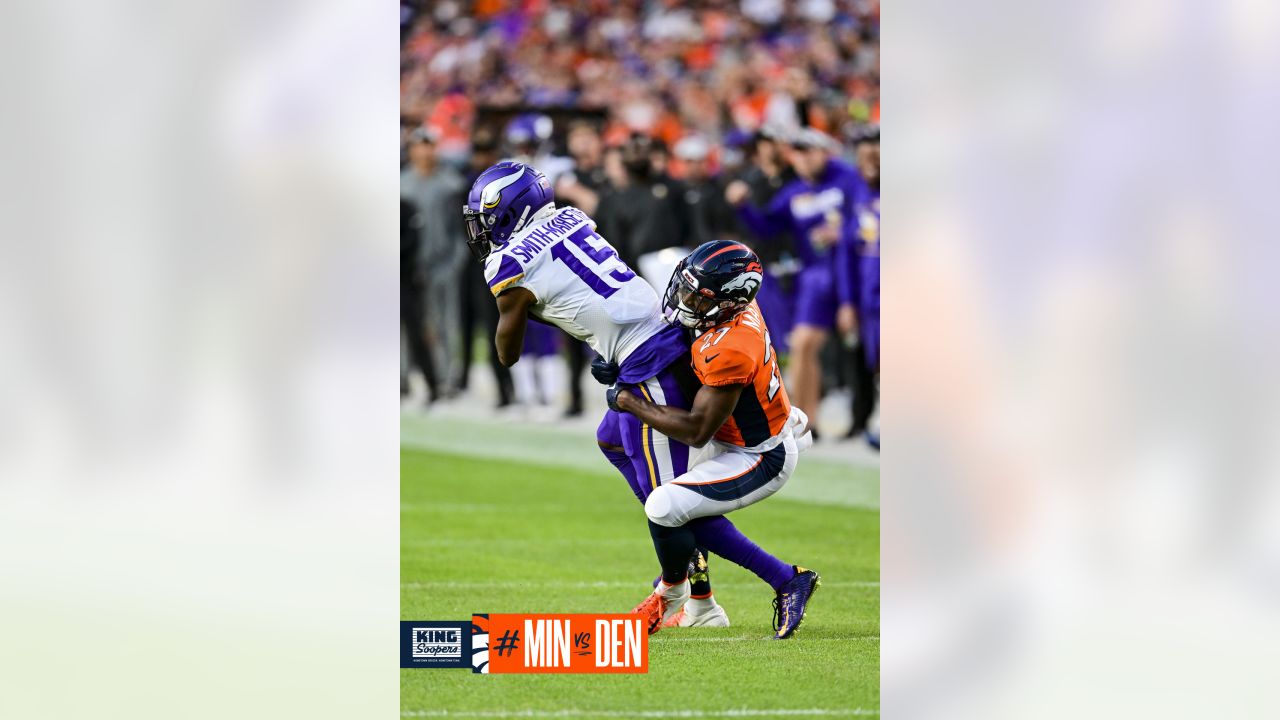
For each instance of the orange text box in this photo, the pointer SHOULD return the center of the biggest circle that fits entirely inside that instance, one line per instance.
(578, 643)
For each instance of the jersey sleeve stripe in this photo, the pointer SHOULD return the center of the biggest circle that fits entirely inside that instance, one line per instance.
(497, 289)
(508, 271)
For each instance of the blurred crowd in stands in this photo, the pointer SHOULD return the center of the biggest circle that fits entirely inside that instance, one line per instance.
(671, 123)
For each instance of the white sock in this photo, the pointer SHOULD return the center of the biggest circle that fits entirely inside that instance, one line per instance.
(698, 606)
(663, 586)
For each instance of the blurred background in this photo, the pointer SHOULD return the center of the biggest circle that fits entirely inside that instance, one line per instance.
(646, 114)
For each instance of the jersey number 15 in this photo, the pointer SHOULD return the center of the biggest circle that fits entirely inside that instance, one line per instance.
(600, 257)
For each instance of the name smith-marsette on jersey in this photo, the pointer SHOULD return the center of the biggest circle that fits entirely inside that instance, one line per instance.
(548, 233)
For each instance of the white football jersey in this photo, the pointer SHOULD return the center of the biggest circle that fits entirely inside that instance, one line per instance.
(579, 282)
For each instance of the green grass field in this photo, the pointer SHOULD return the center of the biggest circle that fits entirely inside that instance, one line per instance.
(480, 534)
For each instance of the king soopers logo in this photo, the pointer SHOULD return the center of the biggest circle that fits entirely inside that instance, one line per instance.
(437, 643)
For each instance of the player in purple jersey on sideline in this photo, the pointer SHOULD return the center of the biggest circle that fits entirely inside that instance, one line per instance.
(549, 264)
(817, 208)
(858, 283)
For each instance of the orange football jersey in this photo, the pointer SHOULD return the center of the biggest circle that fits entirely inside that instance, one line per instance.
(739, 352)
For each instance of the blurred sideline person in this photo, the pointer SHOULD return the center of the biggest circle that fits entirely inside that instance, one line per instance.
(412, 321)
(817, 208)
(539, 379)
(765, 174)
(858, 286)
(477, 304)
(645, 213)
(436, 190)
(528, 139)
(582, 188)
(710, 217)
(539, 376)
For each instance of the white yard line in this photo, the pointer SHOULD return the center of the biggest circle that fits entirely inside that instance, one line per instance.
(741, 712)
(834, 476)
(515, 585)
(521, 543)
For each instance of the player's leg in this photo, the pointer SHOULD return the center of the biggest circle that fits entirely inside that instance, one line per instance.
(628, 447)
(814, 318)
(719, 535)
(727, 482)
(413, 320)
(665, 605)
(864, 389)
(722, 484)
(609, 439)
(872, 324)
(578, 360)
(701, 610)
(657, 459)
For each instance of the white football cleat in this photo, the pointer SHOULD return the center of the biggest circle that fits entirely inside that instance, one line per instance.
(715, 616)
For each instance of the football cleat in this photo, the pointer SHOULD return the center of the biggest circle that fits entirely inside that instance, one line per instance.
(792, 601)
(662, 605)
(715, 617)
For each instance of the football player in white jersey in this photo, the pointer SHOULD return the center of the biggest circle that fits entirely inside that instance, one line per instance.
(549, 264)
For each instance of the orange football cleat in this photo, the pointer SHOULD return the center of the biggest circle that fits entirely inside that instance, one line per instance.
(664, 603)
(653, 608)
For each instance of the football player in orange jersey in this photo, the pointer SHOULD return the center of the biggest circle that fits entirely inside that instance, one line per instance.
(741, 407)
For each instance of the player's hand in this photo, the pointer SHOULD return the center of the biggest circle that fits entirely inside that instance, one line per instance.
(736, 193)
(611, 396)
(604, 371)
(847, 321)
(825, 235)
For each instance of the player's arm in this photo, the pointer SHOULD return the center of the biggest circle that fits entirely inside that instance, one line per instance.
(513, 315)
(763, 222)
(846, 270)
(694, 427)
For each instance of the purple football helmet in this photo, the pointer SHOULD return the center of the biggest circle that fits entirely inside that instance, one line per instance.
(501, 202)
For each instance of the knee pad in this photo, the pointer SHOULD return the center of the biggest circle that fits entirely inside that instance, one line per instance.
(659, 507)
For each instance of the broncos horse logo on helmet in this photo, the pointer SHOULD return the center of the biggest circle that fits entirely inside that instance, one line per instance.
(502, 201)
(713, 284)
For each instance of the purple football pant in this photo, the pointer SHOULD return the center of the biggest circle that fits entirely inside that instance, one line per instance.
(869, 309)
(869, 336)
(653, 458)
(816, 296)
